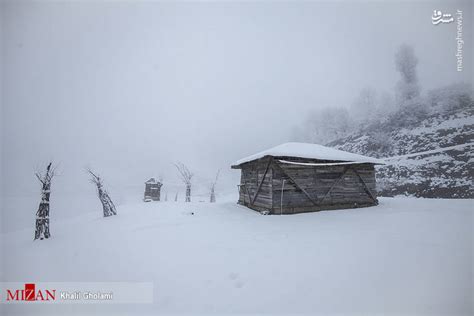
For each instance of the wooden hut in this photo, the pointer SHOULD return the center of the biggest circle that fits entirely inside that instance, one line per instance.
(152, 190)
(298, 177)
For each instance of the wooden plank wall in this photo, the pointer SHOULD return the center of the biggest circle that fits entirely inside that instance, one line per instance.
(345, 192)
(252, 175)
(317, 181)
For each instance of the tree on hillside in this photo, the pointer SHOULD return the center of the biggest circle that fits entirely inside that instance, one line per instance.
(327, 124)
(186, 177)
(42, 215)
(451, 97)
(364, 107)
(386, 105)
(107, 204)
(405, 63)
(371, 107)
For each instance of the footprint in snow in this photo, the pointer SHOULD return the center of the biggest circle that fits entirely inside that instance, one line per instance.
(233, 276)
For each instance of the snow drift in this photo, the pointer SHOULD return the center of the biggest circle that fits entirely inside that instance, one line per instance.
(405, 256)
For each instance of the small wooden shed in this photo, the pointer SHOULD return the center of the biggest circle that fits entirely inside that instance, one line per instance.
(299, 177)
(152, 190)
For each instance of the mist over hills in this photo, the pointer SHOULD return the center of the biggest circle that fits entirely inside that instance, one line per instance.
(428, 143)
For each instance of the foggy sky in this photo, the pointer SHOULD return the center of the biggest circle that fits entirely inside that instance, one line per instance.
(129, 88)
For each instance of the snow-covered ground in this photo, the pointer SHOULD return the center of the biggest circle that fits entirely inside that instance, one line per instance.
(405, 256)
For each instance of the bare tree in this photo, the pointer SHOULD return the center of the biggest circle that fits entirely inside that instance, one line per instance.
(176, 197)
(107, 204)
(42, 215)
(186, 176)
(213, 188)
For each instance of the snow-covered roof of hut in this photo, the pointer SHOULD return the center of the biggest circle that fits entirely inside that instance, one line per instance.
(309, 151)
(152, 181)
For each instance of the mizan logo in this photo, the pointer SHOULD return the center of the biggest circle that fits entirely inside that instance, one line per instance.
(29, 294)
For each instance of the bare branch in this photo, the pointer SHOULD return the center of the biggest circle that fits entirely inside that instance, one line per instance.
(107, 204)
(95, 178)
(213, 187)
(186, 176)
(39, 176)
(184, 172)
(48, 175)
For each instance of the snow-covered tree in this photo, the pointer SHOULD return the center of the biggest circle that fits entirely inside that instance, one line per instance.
(42, 215)
(386, 105)
(364, 107)
(382, 142)
(371, 107)
(107, 204)
(405, 63)
(451, 97)
(213, 188)
(186, 177)
(327, 124)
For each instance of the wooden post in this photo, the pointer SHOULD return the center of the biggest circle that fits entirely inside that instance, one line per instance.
(365, 186)
(261, 182)
(281, 197)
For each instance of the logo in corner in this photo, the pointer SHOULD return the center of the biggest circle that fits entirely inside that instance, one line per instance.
(30, 294)
(438, 17)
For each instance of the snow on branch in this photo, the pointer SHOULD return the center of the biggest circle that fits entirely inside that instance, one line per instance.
(48, 175)
(186, 177)
(184, 172)
(213, 187)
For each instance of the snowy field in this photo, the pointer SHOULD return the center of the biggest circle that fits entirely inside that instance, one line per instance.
(406, 256)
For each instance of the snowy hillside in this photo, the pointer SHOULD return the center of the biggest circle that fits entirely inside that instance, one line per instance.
(446, 139)
(405, 256)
